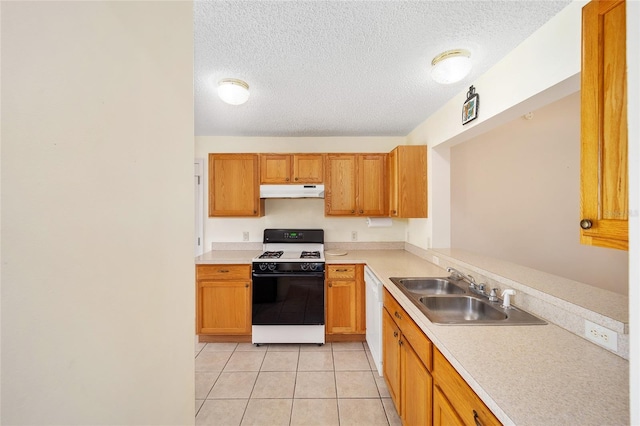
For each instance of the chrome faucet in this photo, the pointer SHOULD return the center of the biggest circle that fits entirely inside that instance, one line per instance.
(457, 275)
(473, 286)
(493, 295)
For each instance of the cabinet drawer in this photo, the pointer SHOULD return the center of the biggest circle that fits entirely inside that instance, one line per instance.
(395, 310)
(463, 399)
(223, 272)
(410, 330)
(341, 272)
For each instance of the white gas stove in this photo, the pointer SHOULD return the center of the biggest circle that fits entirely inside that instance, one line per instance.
(288, 287)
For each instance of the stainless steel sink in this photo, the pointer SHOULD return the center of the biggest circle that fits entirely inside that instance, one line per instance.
(447, 301)
(428, 285)
(461, 308)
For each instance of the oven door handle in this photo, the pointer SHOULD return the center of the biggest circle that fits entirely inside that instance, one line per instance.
(284, 274)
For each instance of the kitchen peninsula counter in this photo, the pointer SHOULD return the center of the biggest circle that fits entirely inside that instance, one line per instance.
(527, 375)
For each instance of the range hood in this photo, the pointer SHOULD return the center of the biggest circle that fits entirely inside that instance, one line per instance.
(292, 191)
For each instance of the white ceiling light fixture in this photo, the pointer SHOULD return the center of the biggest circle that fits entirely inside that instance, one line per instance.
(233, 91)
(451, 66)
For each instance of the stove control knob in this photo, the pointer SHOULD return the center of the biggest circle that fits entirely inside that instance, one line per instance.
(304, 266)
(272, 266)
(262, 266)
(314, 266)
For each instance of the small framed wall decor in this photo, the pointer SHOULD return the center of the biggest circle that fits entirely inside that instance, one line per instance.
(470, 106)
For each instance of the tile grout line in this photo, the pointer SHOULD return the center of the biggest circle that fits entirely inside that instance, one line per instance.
(372, 370)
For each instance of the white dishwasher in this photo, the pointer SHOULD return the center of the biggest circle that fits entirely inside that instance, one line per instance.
(374, 307)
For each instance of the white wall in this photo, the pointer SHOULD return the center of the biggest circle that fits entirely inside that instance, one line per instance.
(97, 213)
(542, 69)
(308, 213)
(515, 193)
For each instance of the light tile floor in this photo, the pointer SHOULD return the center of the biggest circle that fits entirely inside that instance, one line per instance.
(269, 385)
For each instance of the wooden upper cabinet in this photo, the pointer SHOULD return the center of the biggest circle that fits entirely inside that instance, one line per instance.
(356, 185)
(372, 185)
(408, 181)
(291, 168)
(340, 185)
(308, 168)
(275, 168)
(604, 178)
(233, 185)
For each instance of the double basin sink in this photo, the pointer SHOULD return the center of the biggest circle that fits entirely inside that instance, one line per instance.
(447, 301)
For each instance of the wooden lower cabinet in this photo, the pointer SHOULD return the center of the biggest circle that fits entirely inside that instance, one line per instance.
(462, 399)
(423, 385)
(223, 300)
(416, 386)
(443, 413)
(345, 301)
(406, 365)
(391, 357)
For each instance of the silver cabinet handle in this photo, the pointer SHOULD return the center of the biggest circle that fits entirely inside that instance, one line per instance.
(586, 224)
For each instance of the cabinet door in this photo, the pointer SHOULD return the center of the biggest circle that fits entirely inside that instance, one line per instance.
(393, 183)
(341, 307)
(604, 182)
(408, 181)
(443, 412)
(308, 168)
(275, 168)
(372, 185)
(416, 386)
(391, 357)
(224, 307)
(345, 299)
(340, 185)
(233, 185)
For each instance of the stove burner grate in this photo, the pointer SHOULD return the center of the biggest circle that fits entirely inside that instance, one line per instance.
(310, 255)
(271, 254)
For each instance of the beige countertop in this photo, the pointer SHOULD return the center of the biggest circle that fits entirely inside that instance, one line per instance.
(527, 375)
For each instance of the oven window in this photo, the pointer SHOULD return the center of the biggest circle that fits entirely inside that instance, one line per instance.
(288, 300)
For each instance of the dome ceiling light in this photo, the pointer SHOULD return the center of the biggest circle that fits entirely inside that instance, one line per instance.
(233, 91)
(451, 66)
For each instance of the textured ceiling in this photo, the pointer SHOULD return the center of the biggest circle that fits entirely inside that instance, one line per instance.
(344, 68)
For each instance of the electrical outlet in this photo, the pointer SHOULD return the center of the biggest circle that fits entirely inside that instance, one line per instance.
(436, 260)
(354, 235)
(601, 335)
(245, 236)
